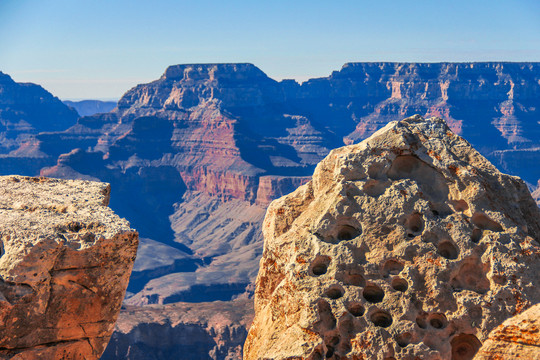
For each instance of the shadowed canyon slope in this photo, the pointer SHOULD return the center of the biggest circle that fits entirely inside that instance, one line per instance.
(195, 156)
(408, 245)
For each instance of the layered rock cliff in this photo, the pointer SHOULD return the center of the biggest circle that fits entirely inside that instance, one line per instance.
(214, 331)
(65, 262)
(409, 244)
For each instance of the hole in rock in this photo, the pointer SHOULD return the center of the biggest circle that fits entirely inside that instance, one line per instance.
(471, 276)
(381, 318)
(438, 321)
(484, 222)
(392, 267)
(327, 319)
(351, 276)
(347, 232)
(334, 292)
(415, 223)
(448, 250)
(375, 170)
(404, 339)
(317, 355)
(374, 187)
(431, 182)
(356, 309)
(400, 284)
(440, 209)
(421, 320)
(319, 266)
(460, 205)
(476, 235)
(373, 293)
(464, 346)
(499, 279)
(329, 351)
(475, 313)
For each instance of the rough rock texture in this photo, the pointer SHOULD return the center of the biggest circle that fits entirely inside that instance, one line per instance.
(65, 262)
(214, 330)
(517, 338)
(409, 244)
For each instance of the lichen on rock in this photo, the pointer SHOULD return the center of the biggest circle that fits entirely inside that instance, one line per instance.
(409, 244)
(65, 262)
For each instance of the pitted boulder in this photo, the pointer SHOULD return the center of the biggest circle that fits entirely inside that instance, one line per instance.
(444, 249)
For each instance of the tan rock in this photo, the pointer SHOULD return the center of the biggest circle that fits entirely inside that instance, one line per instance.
(517, 338)
(407, 245)
(64, 268)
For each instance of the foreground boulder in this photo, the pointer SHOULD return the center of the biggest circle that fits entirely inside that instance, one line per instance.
(517, 338)
(64, 268)
(407, 245)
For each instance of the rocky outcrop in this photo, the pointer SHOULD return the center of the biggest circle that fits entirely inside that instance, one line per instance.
(64, 267)
(409, 244)
(517, 338)
(214, 330)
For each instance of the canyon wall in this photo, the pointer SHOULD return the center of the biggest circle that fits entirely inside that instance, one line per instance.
(195, 156)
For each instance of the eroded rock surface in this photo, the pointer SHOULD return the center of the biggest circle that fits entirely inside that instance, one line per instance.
(64, 267)
(409, 244)
(517, 338)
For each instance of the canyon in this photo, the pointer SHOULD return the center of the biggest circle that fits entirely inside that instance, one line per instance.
(195, 157)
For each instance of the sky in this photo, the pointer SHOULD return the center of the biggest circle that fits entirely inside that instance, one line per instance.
(99, 49)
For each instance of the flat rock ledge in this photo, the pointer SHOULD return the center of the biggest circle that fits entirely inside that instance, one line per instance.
(409, 245)
(65, 261)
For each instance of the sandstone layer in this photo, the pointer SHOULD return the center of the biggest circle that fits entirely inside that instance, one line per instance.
(409, 244)
(517, 338)
(65, 263)
(189, 331)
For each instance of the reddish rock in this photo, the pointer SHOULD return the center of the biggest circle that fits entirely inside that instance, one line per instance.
(65, 262)
(517, 338)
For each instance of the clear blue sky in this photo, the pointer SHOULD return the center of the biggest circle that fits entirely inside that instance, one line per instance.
(101, 48)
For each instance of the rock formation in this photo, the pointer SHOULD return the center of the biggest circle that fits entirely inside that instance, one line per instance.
(188, 331)
(65, 262)
(517, 338)
(25, 110)
(409, 244)
(196, 156)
